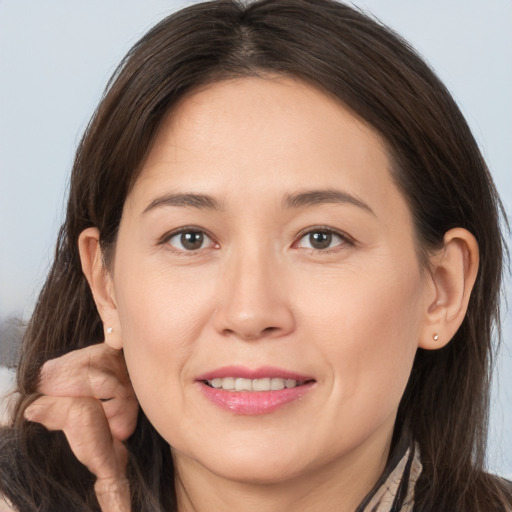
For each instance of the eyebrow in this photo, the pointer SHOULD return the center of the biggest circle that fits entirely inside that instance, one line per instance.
(199, 201)
(298, 200)
(328, 196)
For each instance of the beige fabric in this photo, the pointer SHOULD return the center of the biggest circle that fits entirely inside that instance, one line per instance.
(5, 506)
(383, 499)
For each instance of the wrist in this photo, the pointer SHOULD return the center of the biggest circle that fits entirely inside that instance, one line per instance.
(113, 494)
(111, 485)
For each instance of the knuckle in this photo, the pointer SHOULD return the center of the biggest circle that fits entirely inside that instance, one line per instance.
(100, 383)
(45, 373)
(83, 413)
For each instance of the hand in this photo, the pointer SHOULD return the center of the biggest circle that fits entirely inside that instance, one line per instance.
(88, 395)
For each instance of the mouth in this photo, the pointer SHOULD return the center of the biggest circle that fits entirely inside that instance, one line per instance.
(242, 384)
(245, 391)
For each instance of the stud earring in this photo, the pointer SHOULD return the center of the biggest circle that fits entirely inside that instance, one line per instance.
(109, 330)
(435, 337)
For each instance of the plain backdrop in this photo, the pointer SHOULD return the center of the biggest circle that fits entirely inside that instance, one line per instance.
(56, 57)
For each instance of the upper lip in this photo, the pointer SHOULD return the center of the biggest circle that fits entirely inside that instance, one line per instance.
(252, 373)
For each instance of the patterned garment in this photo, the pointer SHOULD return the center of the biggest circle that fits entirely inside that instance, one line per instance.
(394, 492)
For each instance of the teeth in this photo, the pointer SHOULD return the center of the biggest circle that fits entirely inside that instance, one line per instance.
(243, 385)
(265, 384)
(261, 385)
(276, 384)
(228, 383)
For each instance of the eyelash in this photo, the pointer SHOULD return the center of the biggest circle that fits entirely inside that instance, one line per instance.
(345, 239)
(187, 229)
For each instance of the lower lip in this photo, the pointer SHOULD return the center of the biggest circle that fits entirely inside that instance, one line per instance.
(254, 402)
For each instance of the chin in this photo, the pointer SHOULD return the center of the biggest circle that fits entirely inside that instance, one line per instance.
(261, 462)
(252, 469)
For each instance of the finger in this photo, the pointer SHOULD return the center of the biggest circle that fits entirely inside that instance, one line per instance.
(121, 416)
(85, 425)
(83, 422)
(85, 381)
(97, 371)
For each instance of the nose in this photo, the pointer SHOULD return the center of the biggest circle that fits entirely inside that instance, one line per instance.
(253, 300)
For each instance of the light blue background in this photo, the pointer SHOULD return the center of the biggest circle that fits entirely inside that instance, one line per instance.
(56, 56)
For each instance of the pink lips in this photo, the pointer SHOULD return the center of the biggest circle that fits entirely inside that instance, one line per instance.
(253, 402)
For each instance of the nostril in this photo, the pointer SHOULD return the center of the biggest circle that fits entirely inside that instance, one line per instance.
(252, 322)
(267, 331)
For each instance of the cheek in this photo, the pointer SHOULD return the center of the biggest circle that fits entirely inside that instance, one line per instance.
(161, 316)
(157, 303)
(367, 325)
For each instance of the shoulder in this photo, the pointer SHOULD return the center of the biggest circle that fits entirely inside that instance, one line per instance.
(39, 472)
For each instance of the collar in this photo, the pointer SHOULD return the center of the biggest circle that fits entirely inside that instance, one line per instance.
(394, 491)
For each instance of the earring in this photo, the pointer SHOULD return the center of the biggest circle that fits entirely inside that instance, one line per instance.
(109, 330)
(435, 337)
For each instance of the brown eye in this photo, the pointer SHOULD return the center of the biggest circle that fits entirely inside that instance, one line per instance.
(321, 239)
(189, 240)
(192, 241)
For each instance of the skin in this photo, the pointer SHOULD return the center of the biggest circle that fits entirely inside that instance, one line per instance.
(88, 395)
(256, 293)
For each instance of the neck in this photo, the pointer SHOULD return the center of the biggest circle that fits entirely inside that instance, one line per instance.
(337, 486)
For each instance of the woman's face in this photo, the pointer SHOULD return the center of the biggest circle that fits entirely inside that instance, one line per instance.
(265, 245)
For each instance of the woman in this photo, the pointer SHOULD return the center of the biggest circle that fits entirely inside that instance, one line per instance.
(288, 229)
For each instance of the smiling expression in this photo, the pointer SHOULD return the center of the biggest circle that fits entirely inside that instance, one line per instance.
(266, 241)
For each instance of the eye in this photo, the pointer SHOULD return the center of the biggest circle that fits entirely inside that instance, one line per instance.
(322, 239)
(189, 240)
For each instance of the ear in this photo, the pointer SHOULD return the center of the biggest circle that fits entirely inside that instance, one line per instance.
(101, 284)
(453, 273)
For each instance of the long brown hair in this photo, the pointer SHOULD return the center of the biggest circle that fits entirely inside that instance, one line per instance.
(436, 164)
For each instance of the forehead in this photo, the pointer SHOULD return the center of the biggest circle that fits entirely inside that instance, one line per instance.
(267, 135)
